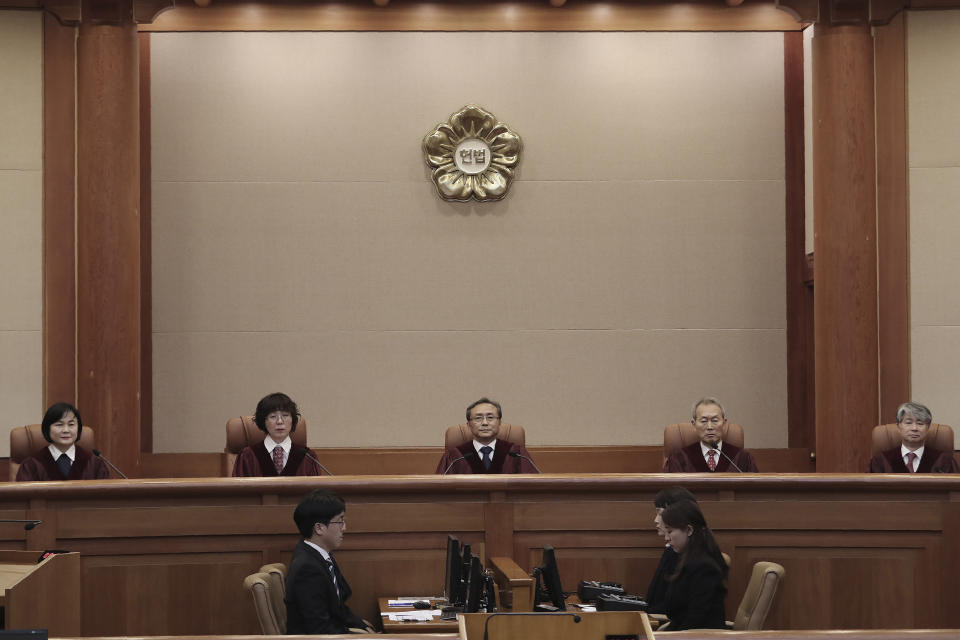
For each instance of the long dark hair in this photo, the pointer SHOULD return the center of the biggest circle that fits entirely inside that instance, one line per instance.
(682, 514)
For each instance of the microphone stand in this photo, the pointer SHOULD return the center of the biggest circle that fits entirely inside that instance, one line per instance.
(517, 454)
(716, 447)
(450, 466)
(97, 453)
(315, 461)
(27, 524)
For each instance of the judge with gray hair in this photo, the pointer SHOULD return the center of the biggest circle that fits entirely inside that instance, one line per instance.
(914, 455)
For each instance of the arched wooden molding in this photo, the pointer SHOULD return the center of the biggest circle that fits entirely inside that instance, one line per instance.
(843, 12)
(72, 12)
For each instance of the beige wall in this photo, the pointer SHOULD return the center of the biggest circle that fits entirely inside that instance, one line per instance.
(21, 196)
(299, 245)
(934, 104)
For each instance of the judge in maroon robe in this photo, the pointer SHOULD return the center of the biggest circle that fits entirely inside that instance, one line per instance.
(913, 455)
(62, 459)
(277, 417)
(709, 420)
(486, 454)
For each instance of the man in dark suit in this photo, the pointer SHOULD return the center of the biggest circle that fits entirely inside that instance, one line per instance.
(913, 456)
(317, 592)
(709, 420)
(486, 454)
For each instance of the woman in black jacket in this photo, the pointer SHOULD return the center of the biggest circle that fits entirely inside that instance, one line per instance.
(696, 590)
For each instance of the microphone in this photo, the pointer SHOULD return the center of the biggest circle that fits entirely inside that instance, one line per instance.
(315, 461)
(469, 454)
(716, 447)
(97, 453)
(486, 624)
(517, 454)
(27, 524)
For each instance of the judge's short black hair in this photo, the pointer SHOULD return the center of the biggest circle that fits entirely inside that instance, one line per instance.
(54, 413)
(276, 402)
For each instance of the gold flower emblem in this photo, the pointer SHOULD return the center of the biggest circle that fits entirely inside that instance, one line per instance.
(473, 155)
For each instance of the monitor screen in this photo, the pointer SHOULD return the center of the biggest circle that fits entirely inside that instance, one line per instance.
(452, 576)
(475, 587)
(549, 589)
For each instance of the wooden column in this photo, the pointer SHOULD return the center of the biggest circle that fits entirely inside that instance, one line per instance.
(845, 271)
(893, 228)
(108, 230)
(59, 221)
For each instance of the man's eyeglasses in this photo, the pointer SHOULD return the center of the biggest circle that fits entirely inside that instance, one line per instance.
(482, 419)
(341, 523)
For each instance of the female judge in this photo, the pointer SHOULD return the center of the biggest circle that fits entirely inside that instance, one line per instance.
(277, 416)
(62, 459)
(696, 590)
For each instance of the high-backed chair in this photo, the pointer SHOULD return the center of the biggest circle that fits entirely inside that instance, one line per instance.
(243, 431)
(886, 437)
(26, 441)
(683, 434)
(758, 598)
(258, 584)
(459, 434)
(277, 574)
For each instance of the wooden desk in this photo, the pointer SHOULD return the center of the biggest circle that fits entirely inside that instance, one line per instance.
(168, 557)
(435, 626)
(40, 596)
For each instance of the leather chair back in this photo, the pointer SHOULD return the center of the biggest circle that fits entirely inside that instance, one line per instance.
(683, 434)
(758, 597)
(459, 434)
(243, 432)
(886, 437)
(277, 574)
(27, 440)
(258, 584)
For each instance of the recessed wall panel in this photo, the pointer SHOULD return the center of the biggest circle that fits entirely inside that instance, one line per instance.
(298, 243)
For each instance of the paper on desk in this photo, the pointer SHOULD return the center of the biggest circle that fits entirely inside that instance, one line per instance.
(420, 615)
(406, 602)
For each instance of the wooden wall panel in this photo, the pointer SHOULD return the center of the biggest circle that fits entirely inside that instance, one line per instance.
(171, 593)
(861, 551)
(423, 460)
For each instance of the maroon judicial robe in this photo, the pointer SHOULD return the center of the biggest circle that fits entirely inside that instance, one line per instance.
(933, 461)
(502, 461)
(255, 461)
(690, 460)
(42, 466)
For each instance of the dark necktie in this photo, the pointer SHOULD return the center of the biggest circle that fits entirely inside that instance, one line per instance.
(63, 462)
(278, 459)
(486, 451)
(335, 574)
(911, 458)
(712, 460)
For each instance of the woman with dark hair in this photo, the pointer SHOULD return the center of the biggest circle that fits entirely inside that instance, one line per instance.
(696, 590)
(277, 416)
(62, 459)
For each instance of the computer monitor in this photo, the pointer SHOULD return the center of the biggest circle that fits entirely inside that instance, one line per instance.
(549, 588)
(453, 575)
(475, 587)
